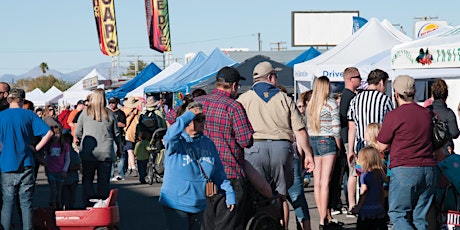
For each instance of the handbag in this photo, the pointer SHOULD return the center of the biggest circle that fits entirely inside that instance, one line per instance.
(441, 134)
(211, 188)
(450, 167)
(449, 219)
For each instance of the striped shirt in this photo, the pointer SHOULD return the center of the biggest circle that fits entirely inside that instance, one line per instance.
(227, 125)
(370, 106)
(329, 121)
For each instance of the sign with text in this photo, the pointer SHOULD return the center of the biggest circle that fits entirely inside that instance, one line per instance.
(104, 13)
(157, 16)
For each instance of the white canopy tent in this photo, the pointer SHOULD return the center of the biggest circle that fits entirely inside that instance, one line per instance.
(443, 61)
(372, 39)
(50, 97)
(139, 91)
(75, 93)
(34, 95)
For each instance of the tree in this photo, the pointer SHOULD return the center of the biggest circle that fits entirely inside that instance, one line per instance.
(44, 83)
(44, 67)
(132, 71)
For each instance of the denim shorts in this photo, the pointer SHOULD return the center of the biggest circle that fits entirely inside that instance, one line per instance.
(323, 145)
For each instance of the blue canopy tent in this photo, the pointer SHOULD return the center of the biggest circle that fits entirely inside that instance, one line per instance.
(303, 57)
(146, 74)
(201, 72)
(185, 70)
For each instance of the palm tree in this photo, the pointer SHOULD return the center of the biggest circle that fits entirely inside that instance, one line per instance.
(44, 67)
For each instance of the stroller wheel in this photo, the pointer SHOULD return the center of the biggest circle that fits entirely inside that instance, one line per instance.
(262, 221)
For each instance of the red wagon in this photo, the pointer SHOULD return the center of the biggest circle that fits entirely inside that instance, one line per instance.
(90, 218)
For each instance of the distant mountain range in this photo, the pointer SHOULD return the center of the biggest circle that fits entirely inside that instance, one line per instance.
(102, 68)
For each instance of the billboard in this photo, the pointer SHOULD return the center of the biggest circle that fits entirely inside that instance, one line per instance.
(321, 28)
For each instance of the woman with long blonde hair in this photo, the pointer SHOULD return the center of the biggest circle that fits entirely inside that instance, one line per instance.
(98, 130)
(323, 124)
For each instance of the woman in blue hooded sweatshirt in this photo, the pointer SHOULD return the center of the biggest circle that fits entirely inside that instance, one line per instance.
(183, 191)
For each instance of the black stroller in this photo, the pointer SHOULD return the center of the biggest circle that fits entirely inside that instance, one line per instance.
(155, 166)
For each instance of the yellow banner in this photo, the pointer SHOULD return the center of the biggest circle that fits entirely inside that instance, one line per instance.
(104, 13)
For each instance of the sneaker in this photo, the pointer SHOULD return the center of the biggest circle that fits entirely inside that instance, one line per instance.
(114, 179)
(306, 182)
(350, 214)
(336, 212)
(120, 178)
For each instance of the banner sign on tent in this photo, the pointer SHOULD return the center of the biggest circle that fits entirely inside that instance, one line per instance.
(104, 13)
(439, 51)
(90, 83)
(157, 15)
(430, 57)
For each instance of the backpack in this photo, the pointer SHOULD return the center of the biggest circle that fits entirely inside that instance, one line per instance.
(441, 134)
(149, 122)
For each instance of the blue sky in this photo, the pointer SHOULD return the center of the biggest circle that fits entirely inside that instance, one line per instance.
(63, 33)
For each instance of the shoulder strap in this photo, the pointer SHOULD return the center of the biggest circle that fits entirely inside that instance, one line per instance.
(132, 118)
(197, 161)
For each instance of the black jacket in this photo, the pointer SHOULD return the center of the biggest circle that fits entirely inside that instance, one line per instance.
(448, 116)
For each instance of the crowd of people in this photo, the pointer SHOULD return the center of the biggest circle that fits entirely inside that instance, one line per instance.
(223, 148)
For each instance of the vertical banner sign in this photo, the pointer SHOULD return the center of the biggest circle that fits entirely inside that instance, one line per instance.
(104, 13)
(157, 15)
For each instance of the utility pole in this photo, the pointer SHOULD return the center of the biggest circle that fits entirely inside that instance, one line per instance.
(259, 41)
(426, 18)
(278, 46)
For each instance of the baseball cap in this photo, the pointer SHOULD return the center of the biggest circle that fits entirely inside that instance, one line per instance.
(113, 100)
(80, 102)
(404, 85)
(263, 68)
(229, 74)
(15, 92)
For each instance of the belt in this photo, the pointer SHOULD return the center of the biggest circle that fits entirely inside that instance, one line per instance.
(270, 140)
(327, 137)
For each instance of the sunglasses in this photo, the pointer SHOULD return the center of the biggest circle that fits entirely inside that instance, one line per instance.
(300, 106)
(358, 76)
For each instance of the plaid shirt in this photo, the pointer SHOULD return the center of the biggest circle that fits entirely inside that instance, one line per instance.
(229, 128)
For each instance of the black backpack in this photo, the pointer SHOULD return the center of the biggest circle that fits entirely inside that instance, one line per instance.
(149, 122)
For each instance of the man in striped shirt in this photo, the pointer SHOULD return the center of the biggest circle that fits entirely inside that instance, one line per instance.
(227, 125)
(369, 106)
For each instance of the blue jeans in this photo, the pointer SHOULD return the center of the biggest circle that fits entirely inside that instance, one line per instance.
(120, 166)
(411, 194)
(55, 181)
(89, 169)
(297, 194)
(323, 146)
(142, 169)
(180, 220)
(22, 184)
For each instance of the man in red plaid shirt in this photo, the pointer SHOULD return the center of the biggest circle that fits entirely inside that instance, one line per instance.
(228, 127)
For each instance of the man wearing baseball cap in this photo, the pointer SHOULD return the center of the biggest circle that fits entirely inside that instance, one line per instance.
(228, 127)
(18, 126)
(407, 130)
(276, 120)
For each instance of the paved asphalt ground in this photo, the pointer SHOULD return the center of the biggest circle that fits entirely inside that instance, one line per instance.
(139, 208)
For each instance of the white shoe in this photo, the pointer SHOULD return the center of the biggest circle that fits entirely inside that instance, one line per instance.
(113, 179)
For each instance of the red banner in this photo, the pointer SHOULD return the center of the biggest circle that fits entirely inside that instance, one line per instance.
(104, 13)
(157, 15)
